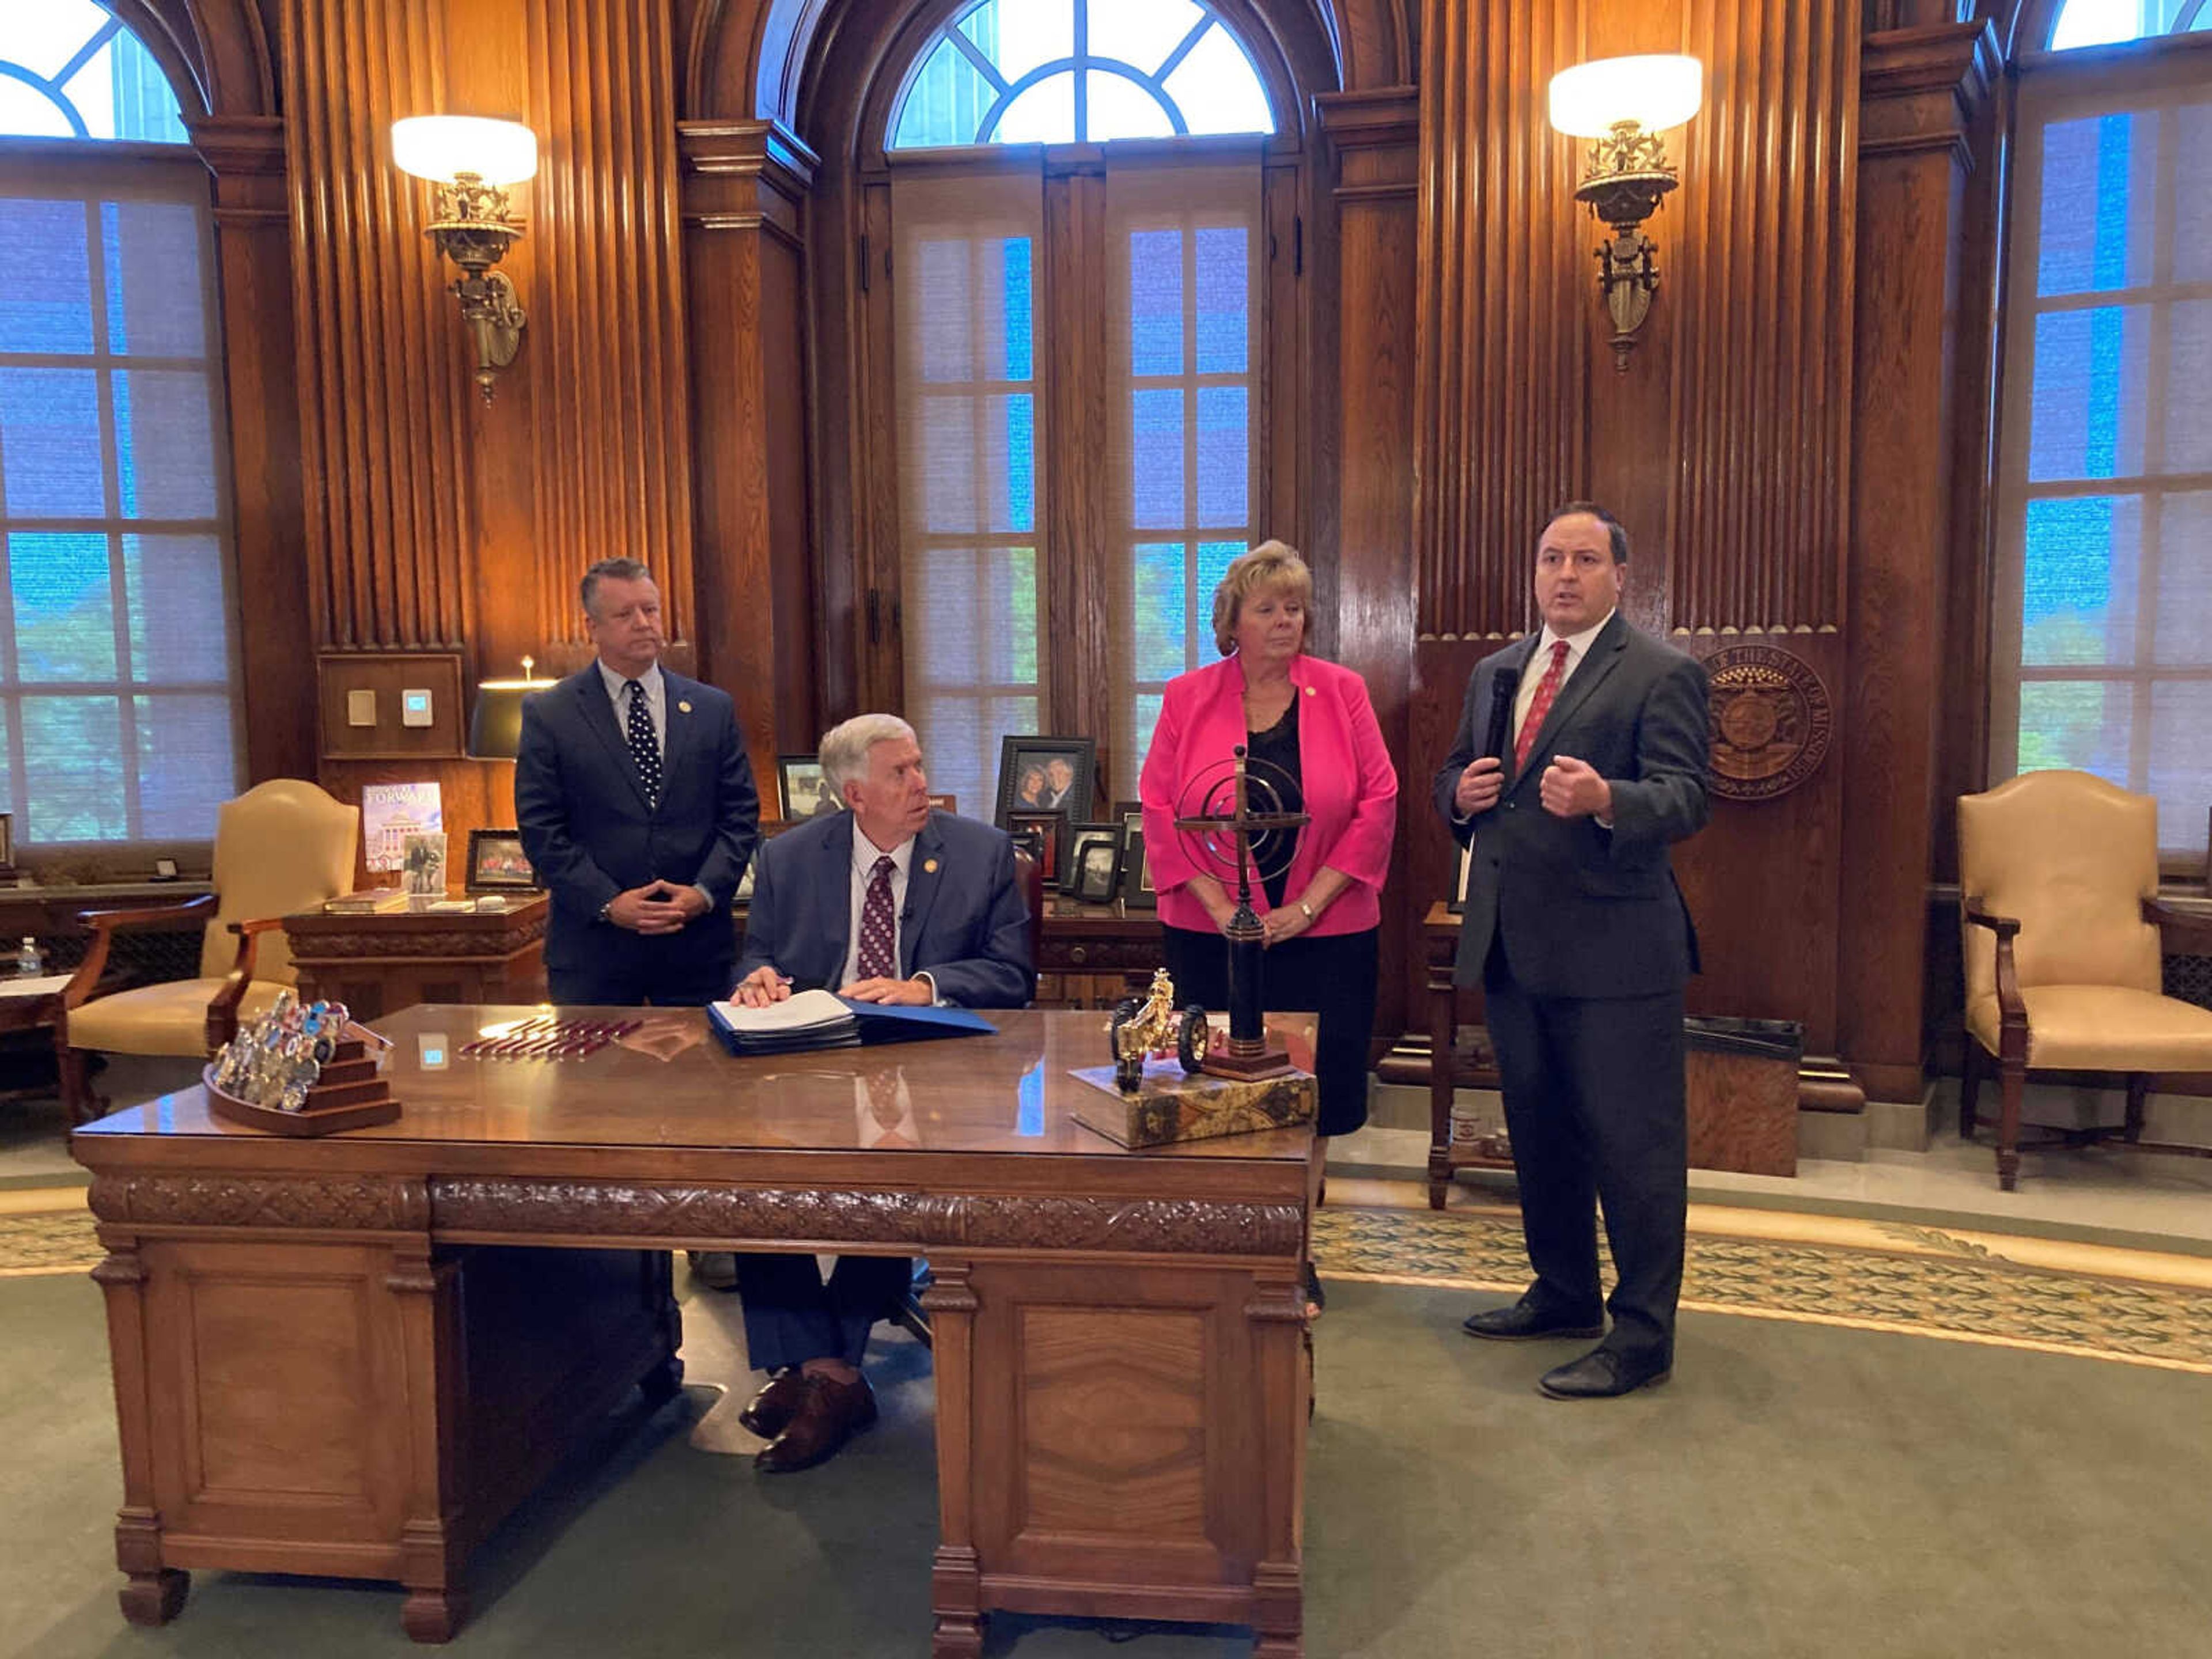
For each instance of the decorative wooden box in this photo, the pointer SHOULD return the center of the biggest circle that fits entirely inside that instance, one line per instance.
(348, 1095)
(1170, 1105)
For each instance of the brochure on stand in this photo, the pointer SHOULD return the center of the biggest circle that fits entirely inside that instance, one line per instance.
(816, 1020)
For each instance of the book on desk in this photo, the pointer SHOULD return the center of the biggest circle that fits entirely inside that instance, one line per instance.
(810, 1020)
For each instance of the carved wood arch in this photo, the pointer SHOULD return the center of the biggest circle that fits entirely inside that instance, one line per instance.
(216, 53)
(752, 58)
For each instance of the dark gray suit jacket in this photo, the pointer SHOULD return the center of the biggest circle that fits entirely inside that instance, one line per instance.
(1587, 911)
(590, 834)
(964, 921)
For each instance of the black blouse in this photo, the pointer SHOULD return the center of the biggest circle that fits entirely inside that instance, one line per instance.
(1272, 852)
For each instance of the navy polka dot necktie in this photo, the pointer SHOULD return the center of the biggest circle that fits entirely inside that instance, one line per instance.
(644, 747)
(877, 959)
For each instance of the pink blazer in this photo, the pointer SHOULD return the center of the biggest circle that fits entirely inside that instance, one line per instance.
(1351, 788)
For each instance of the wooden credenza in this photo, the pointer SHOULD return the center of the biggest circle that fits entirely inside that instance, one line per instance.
(378, 964)
(350, 1357)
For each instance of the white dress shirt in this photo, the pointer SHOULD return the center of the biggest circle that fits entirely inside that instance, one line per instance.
(1578, 646)
(655, 688)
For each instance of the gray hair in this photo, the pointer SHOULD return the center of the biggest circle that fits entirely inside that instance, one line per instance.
(845, 747)
(621, 570)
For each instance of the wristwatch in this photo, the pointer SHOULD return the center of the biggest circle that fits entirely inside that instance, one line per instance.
(1308, 909)
(607, 911)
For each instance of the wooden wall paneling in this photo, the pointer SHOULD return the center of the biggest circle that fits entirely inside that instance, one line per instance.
(1919, 88)
(1503, 325)
(1374, 138)
(1753, 535)
(611, 447)
(253, 269)
(745, 190)
(380, 372)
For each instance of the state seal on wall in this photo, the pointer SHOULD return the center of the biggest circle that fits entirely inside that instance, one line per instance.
(1772, 721)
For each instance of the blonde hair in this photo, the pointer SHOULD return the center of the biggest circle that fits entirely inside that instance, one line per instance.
(1271, 564)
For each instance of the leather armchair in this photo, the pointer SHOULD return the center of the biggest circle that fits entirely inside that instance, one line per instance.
(282, 846)
(2062, 935)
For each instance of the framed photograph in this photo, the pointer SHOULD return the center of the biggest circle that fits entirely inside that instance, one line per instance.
(422, 864)
(1136, 892)
(165, 869)
(1045, 775)
(1080, 838)
(945, 803)
(803, 792)
(497, 863)
(1097, 865)
(7, 841)
(1042, 836)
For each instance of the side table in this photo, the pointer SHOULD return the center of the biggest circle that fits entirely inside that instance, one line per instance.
(378, 964)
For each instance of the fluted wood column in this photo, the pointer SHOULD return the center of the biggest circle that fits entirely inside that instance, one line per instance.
(254, 258)
(744, 192)
(1921, 89)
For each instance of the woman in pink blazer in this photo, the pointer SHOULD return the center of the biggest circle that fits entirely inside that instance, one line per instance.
(1312, 719)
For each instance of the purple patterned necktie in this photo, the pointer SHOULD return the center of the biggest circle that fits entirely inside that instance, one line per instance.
(876, 960)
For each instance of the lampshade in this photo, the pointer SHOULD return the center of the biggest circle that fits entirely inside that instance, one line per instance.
(1656, 91)
(495, 723)
(440, 147)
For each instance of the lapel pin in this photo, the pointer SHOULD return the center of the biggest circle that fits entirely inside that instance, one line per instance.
(929, 866)
(682, 707)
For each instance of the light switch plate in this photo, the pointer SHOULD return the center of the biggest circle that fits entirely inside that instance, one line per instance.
(414, 706)
(361, 708)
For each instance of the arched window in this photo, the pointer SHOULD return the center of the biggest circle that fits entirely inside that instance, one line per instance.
(2102, 654)
(1086, 358)
(68, 70)
(1066, 71)
(118, 690)
(2107, 22)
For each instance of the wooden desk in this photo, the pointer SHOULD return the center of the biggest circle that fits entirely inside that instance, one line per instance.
(374, 963)
(332, 1357)
(140, 955)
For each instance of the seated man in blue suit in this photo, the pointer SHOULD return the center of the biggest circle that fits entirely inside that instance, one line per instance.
(886, 902)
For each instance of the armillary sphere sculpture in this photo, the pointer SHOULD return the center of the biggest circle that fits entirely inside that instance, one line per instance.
(1232, 819)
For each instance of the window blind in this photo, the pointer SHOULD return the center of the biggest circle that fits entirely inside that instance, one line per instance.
(1183, 348)
(118, 683)
(2103, 654)
(965, 279)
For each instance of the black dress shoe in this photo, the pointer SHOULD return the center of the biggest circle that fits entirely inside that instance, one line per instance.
(1522, 1323)
(769, 1410)
(830, 1414)
(1600, 1374)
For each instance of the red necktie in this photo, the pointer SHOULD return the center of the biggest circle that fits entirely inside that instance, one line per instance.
(1546, 688)
(876, 959)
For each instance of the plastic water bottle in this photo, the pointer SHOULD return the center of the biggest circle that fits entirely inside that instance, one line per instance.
(28, 964)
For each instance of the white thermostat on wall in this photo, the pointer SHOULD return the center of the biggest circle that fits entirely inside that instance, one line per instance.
(414, 707)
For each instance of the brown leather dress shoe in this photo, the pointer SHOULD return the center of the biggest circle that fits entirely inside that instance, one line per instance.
(767, 1412)
(830, 1414)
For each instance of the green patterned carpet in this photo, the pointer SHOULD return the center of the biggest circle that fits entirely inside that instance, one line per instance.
(1930, 1283)
(1925, 1280)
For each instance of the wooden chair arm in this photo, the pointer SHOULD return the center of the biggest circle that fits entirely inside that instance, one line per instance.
(223, 1011)
(2179, 932)
(103, 923)
(2012, 1010)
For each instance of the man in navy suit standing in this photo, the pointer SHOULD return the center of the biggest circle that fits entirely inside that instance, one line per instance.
(887, 902)
(1577, 933)
(638, 809)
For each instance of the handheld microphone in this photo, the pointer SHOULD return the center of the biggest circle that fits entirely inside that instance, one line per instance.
(1504, 685)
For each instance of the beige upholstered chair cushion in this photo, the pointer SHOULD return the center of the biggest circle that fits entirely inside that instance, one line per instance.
(282, 846)
(2103, 1028)
(169, 1019)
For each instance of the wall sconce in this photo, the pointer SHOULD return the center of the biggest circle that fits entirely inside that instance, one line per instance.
(1624, 104)
(472, 161)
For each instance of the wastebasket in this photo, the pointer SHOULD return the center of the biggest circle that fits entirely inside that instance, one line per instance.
(1743, 1077)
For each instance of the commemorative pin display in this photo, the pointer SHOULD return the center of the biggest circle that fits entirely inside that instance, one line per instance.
(301, 1069)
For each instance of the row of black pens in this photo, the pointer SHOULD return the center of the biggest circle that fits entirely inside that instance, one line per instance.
(548, 1038)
